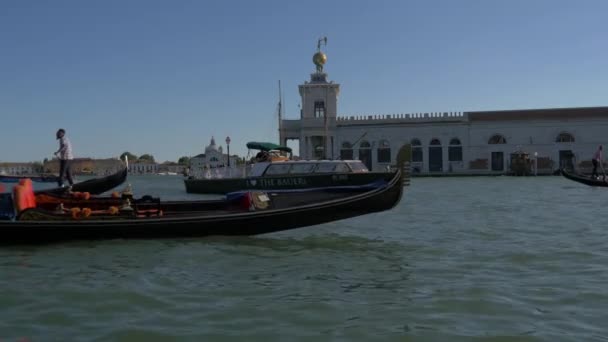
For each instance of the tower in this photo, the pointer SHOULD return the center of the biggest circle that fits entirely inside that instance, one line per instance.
(318, 114)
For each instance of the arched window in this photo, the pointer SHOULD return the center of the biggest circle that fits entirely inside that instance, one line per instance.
(564, 137)
(435, 142)
(416, 150)
(319, 109)
(497, 139)
(455, 150)
(346, 152)
(384, 152)
(365, 144)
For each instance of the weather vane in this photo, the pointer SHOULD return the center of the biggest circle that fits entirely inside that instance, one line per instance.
(319, 58)
(324, 40)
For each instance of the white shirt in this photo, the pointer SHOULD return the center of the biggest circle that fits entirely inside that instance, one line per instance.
(65, 149)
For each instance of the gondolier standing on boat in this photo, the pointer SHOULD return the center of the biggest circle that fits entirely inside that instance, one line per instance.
(65, 158)
(597, 158)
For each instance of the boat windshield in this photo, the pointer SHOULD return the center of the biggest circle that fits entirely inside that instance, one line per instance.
(358, 166)
(342, 168)
(278, 169)
(325, 167)
(302, 168)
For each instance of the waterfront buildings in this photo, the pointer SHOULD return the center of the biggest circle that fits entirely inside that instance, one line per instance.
(444, 142)
(10, 168)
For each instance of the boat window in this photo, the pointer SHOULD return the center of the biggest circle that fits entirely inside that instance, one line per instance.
(278, 169)
(302, 168)
(325, 167)
(358, 167)
(342, 167)
(257, 170)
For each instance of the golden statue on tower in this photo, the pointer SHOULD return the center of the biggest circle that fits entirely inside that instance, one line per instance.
(319, 58)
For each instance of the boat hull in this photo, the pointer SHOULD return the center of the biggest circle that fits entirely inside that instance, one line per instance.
(226, 185)
(342, 204)
(94, 186)
(602, 182)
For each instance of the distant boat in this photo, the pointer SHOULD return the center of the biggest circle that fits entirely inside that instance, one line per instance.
(93, 186)
(277, 174)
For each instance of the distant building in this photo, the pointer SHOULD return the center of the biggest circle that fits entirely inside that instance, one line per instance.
(141, 167)
(87, 166)
(485, 142)
(9, 168)
(213, 158)
(171, 167)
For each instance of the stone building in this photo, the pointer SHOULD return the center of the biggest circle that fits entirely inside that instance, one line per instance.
(446, 142)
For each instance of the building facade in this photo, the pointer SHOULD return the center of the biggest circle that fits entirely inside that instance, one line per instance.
(12, 168)
(87, 166)
(448, 142)
(213, 158)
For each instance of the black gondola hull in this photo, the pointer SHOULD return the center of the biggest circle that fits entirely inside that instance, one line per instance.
(94, 186)
(227, 224)
(602, 182)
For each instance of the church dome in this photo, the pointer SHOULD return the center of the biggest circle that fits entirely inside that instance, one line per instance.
(212, 146)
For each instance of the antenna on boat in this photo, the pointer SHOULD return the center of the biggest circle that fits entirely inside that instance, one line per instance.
(280, 113)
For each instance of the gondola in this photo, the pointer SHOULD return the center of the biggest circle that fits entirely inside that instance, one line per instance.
(240, 213)
(602, 181)
(93, 186)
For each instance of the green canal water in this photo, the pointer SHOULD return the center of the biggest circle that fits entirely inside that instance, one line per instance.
(459, 259)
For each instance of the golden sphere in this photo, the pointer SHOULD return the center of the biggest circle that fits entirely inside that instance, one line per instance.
(319, 58)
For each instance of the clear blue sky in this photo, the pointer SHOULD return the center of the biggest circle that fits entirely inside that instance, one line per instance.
(162, 77)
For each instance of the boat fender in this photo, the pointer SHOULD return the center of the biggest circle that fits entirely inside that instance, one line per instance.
(29, 192)
(86, 212)
(75, 212)
(22, 198)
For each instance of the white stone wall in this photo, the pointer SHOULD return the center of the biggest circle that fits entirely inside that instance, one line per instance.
(473, 130)
(16, 168)
(530, 136)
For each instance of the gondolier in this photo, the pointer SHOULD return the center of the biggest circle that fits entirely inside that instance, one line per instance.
(65, 158)
(597, 158)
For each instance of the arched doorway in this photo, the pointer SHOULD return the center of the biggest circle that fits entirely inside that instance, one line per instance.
(346, 152)
(498, 157)
(435, 156)
(365, 153)
(566, 157)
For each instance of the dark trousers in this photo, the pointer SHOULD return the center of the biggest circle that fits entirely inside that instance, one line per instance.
(65, 171)
(594, 172)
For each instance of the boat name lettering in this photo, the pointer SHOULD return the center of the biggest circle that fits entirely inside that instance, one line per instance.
(271, 182)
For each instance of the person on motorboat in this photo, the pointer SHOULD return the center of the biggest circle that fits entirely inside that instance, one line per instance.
(597, 158)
